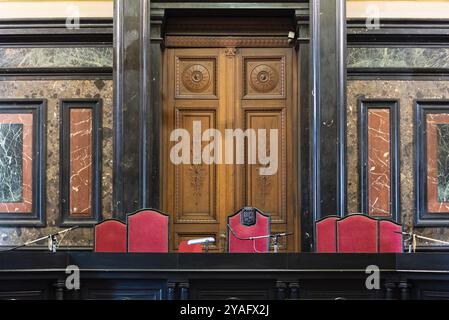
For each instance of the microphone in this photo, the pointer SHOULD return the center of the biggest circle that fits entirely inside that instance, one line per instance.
(204, 241)
(200, 241)
(285, 234)
(52, 241)
(275, 237)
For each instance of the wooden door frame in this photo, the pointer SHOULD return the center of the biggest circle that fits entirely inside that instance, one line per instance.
(179, 39)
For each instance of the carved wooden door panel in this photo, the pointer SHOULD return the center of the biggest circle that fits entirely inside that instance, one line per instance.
(193, 95)
(227, 88)
(266, 101)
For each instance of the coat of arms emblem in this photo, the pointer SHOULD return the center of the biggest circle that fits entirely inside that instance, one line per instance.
(248, 216)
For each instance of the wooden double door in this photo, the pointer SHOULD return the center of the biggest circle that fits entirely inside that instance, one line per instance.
(224, 89)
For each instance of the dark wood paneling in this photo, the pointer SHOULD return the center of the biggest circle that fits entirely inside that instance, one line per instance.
(415, 74)
(25, 290)
(398, 31)
(47, 31)
(154, 138)
(304, 134)
(31, 275)
(232, 289)
(122, 290)
(432, 290)
(31, 74)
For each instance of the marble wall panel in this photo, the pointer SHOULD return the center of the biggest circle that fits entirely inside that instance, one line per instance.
(365, 57)
(53, 90)
(97, 57)
(16, 162)
(11, 159)
(406, 92)
(81, 148)
(379, 162)
(437, 162)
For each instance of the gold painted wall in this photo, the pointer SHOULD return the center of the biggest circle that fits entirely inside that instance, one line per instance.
(95, 8)
(398, 9)
(55, 9)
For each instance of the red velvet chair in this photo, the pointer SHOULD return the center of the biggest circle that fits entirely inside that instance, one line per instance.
(148, 231)
(248, 222)
(326, 239)
(389, 240)
(357, 234)
(184, 247)
(110, 236)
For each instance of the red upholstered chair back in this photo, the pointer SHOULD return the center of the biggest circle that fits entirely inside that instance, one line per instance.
(148, 231)
(248, 222)
(110, 236)
(357, 234)
(326, 240)
(184, 247)
(389, 240)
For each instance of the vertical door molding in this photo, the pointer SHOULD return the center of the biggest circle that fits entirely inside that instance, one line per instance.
(304, 134)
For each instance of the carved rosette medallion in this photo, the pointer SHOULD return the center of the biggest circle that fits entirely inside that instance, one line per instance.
(264, 78)
(196, 78)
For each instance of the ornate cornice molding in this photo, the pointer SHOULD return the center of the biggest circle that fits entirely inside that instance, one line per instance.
(225, 42)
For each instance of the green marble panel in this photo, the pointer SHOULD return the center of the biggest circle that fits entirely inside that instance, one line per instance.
(398, 57)
(11, 150)
(443, 162)
(89, 57)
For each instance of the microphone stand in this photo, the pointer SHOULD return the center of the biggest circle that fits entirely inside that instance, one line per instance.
(414, 237)
(53, 242)
(275, 238)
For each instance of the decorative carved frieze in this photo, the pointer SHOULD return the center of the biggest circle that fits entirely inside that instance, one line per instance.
(225, 42)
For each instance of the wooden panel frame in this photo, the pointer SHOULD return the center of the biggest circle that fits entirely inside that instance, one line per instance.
(38, 108)
(197, 96)
(281, 114)
(282, 78)
(199, 218)
(66, 105)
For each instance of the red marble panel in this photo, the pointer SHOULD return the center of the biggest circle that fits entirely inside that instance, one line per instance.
(433, 203)
(81, 148)
(379, 158)
(26, 206)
